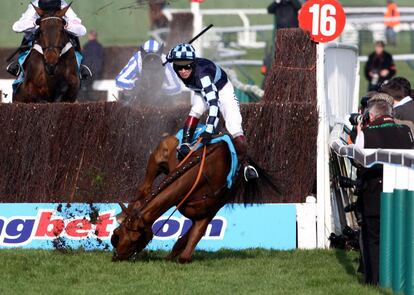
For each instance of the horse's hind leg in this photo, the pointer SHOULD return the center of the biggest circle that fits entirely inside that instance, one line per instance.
(195, 234)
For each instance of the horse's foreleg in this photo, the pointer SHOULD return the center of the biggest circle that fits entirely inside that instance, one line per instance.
(194, 236)
(178, 246)
(157, 164)
(70, 88)
(152, 172)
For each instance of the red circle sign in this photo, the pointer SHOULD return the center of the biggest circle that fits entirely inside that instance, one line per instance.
(323, 19)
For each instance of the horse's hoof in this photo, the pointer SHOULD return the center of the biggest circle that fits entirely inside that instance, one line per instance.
(184, 260)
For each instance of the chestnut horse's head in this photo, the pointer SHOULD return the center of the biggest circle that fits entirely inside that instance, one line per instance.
(52, 36)
(132, 235)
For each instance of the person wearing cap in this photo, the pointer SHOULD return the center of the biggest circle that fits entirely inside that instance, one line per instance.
(380, 132)
(27, 25)
(212, 92)
(130, 74)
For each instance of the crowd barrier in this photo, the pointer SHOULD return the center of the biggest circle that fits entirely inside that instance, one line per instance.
(396, 209)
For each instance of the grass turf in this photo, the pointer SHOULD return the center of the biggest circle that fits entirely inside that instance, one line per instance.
(253, 271)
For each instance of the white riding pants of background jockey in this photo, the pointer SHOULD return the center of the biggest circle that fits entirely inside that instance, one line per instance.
(228, 105)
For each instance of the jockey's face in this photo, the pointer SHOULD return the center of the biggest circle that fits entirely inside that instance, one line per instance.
(185, 73)
(184, 70)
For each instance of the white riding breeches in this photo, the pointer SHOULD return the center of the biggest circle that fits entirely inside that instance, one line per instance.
(228, 105)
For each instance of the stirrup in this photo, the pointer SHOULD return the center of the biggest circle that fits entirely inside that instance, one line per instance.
(250, 173)
(14, 69)
(85, 72)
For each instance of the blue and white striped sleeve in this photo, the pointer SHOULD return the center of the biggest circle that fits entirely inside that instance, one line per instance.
(172, 85)
(210, 94)
(126, 78)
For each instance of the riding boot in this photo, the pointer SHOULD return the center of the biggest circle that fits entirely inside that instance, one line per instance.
(249, 172)
(14, 67)
(188, 134)
(85, 72)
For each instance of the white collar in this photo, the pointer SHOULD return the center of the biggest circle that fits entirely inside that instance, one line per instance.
(403, 101)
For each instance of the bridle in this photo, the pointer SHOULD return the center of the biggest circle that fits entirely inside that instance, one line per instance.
(199, 174)
(129, 220)
(62, 49)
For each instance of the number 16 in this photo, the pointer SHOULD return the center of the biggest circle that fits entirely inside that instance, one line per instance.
(321, 20)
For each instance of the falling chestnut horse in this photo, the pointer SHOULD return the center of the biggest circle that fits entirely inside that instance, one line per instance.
(51, 70)
(204, 173)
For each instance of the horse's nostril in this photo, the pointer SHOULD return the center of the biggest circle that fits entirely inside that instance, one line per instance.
(50, 69)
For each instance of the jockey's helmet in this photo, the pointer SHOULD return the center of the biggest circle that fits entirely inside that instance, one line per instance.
(49, 5)
(182, 52)
(152, 46)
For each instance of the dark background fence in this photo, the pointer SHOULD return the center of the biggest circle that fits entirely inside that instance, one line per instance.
(97, 152)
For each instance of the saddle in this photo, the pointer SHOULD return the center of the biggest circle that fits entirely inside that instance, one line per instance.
(226, 138)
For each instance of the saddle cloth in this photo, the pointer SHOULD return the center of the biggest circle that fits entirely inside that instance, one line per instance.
(22, 58)
(222, 138)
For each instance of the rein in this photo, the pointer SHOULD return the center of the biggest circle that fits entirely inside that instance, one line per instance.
(200, 173)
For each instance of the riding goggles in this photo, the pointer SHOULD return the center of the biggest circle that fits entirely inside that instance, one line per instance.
(182, 67)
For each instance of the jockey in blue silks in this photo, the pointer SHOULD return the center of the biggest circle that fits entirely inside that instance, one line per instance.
(129, 75)
(213, 92)
(27, 25)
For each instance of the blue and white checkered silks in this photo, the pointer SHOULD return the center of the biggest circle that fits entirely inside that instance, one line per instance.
(151, 46)
(129, 74)
(182, 52)
(210, 93)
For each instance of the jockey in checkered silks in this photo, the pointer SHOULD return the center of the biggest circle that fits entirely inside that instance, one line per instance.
(27, 25)
(212, 91)
(148, 60)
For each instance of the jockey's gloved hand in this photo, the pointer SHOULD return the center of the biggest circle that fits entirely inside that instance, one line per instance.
(183, 150)
(206, 137)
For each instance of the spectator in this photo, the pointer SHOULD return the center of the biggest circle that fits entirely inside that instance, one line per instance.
(392, 20)
(400, 90)
(286, 13)
(381, 132)
(380, 67)
(93, 54)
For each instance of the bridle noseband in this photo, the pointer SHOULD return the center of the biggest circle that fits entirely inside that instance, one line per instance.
(63, 49)
(128, 219)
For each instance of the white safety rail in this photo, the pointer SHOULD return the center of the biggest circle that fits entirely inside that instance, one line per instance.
(358, 18)
(246, 34)
(256, 90)
(337, 91)
(307, 224)
(6, 90)
(398, 164)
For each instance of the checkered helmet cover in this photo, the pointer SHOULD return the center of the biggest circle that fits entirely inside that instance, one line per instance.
(182, 51)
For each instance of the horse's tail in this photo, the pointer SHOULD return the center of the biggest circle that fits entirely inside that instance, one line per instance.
(257, 190)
